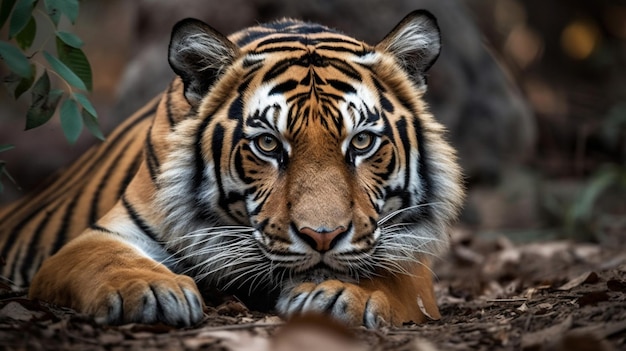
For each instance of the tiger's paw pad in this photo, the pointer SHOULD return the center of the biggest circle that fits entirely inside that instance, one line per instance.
(345, 302)
(165, 298)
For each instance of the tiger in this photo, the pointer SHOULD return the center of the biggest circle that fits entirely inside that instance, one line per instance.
(287, 163)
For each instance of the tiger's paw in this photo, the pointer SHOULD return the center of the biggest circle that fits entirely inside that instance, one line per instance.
(345, 302)
(167, 298)
(126, 288)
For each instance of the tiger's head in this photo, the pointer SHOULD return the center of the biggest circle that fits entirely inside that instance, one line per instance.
(305, 155)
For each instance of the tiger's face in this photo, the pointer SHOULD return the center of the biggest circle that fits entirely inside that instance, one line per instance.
(311, 154)
(319, 162)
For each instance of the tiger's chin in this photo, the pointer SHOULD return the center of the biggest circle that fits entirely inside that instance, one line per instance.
(321, 272)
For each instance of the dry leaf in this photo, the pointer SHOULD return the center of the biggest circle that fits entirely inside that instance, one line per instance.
(420, 304)
(585, 278)
(523, 308)
(16, 311)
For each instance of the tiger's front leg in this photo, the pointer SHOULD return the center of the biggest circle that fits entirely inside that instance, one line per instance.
(101, 275)
(387, 299)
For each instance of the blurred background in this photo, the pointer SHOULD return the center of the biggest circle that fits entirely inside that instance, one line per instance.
(533, 93)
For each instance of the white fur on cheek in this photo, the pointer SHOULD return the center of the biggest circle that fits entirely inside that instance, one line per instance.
(179, 201)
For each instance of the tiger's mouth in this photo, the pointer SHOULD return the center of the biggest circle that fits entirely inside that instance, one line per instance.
(298, 260)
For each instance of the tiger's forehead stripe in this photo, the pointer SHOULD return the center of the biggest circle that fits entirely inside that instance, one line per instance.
(317, 72)
(277, 35)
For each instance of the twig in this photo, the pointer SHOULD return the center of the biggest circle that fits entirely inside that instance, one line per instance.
(517, 299)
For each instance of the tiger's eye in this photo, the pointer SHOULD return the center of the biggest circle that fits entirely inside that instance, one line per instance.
(362, 141)
(267, 143)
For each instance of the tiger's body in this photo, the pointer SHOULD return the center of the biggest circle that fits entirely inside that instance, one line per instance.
(288, 158)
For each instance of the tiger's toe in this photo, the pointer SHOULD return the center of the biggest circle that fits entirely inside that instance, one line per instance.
(346, 302)
(173, 301)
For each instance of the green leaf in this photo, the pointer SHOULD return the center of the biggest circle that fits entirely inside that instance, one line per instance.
(43, 102)
(19, 85)
(15, 59)
(22, 13)
(6, 147)
(41, 89)
(53, 11)
(26, 37)
(70, 39)
(64, 71)
(71, 120)
(76, 60)
(24, 84)
(5, 10)
(91, 122)
(84, 101)
(55, 8)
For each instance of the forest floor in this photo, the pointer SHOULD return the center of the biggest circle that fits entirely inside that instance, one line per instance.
(493, 295)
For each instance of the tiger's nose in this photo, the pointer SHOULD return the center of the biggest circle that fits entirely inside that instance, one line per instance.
(321, 241)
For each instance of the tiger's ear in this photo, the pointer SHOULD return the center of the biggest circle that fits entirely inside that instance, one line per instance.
(199, 54)
(416, 43)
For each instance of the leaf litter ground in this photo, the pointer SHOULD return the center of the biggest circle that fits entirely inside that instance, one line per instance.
(493, 295)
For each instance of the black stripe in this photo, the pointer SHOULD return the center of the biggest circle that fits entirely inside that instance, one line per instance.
(152, 160)
(384, 102)
(61, 234)
(235, 110)
(331, 97)
(217, 142)
(95, 200)
(341, 86)
(423, 169)
(284, 39)
(278, 68)
(129, 174)
(239, 168)
(279, 49)
(168, 106)
(401, 127)
(35, 243)
(334, 300)
(100, 229)
(16, 260)
(345, 68)
(284, 87)
(251, 67)
(340, 49)
(198, 156)
(138, 221)
(344, 40)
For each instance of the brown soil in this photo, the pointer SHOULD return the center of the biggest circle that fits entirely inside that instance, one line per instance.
(493, 295)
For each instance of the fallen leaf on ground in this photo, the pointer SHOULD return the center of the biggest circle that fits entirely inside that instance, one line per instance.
(16, 311)
(585, 278)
